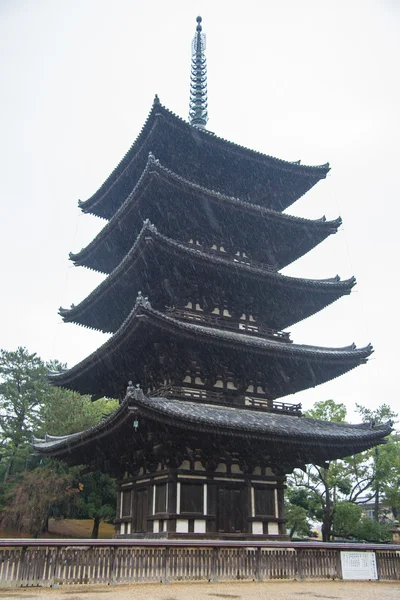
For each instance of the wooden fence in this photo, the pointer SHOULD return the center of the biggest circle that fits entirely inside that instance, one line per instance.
(62, 562)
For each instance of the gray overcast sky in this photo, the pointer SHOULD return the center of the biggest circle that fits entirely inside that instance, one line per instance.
(311, 80)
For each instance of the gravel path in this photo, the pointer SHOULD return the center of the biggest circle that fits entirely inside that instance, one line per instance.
(274, 590)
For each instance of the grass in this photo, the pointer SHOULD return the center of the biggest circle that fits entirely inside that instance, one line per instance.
(66, 528)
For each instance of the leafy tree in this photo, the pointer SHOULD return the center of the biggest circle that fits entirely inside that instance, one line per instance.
(346, 519)
(97, 500)
(322, 483)
(370, 531)
(296, 520)
(23, 390)
(349, 522)
(65, 412)
(328, 410)
(357, 478)
(385, 462)
(30, 405)
(30, 501)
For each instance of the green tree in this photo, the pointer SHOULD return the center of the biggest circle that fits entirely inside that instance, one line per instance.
(385, 462)
(34, 494)
(30, 405)
(23, 390)
(296, 520)
(346, 519)
(357, 478)
(97, 499)
(322, 483)
(65, 412)
(350, 522)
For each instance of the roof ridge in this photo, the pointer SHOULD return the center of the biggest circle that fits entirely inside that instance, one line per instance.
(296, 163)
(146, 128)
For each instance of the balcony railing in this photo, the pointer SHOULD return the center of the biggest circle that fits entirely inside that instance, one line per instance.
(227, 398)
(222, 322)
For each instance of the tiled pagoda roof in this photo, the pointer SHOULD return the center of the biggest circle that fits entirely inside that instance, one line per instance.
(311, 439)
(128, 353)
(191, 152)
(164, 197)
(157, 266)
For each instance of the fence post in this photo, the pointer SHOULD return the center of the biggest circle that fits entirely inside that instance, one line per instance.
(113, 580)
(258, 573)
(339, 565)
(165, 565)
(54, 583)
(214, 559)
(300, 564)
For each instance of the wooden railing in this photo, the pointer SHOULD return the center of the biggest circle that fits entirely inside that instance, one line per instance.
(249, 327)
(228, 399)
(62, 562)
(274, 405)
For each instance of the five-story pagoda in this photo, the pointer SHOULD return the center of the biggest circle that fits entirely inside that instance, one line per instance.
(194, 241)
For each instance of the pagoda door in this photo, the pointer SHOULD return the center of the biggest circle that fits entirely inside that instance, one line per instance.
(142, 511)
(231, 510)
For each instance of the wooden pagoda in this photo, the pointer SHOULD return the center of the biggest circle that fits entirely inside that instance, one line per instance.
(197, 308)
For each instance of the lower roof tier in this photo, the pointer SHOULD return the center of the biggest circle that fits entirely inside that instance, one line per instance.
(183, 210)
(208, 160)
(293, 438)
(154, 349)
(172, 274)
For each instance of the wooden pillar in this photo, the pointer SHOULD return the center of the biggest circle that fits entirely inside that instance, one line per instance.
(281, 509)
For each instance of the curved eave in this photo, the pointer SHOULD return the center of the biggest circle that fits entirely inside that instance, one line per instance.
(110, 290)
(64, 444)
(300, 432)
(97, 203)
(109, 354)
(155, 170)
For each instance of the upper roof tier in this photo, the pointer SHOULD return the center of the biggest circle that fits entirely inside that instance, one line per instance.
(182, 209)
(151, 347)
(208, 160)
(172, 274)
(298, 438)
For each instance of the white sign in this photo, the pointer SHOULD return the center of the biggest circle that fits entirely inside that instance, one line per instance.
(358, 565)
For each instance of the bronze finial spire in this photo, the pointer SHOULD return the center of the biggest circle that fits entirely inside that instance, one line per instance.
(198, 114)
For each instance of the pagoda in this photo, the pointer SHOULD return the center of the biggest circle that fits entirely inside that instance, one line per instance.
(200, 356)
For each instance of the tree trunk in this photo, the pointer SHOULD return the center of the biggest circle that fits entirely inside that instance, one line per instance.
(45, 524)
(328, 511)
(376, 505)
(10, 465)
(96, 526)
(326, 525)
(377, 489)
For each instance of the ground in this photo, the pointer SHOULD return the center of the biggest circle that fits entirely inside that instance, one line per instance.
(274, 590)
(66, 528)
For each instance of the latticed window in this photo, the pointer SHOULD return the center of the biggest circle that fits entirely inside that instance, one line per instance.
(161, 498)
(126, 504)
(264, 501)
(192, 498)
